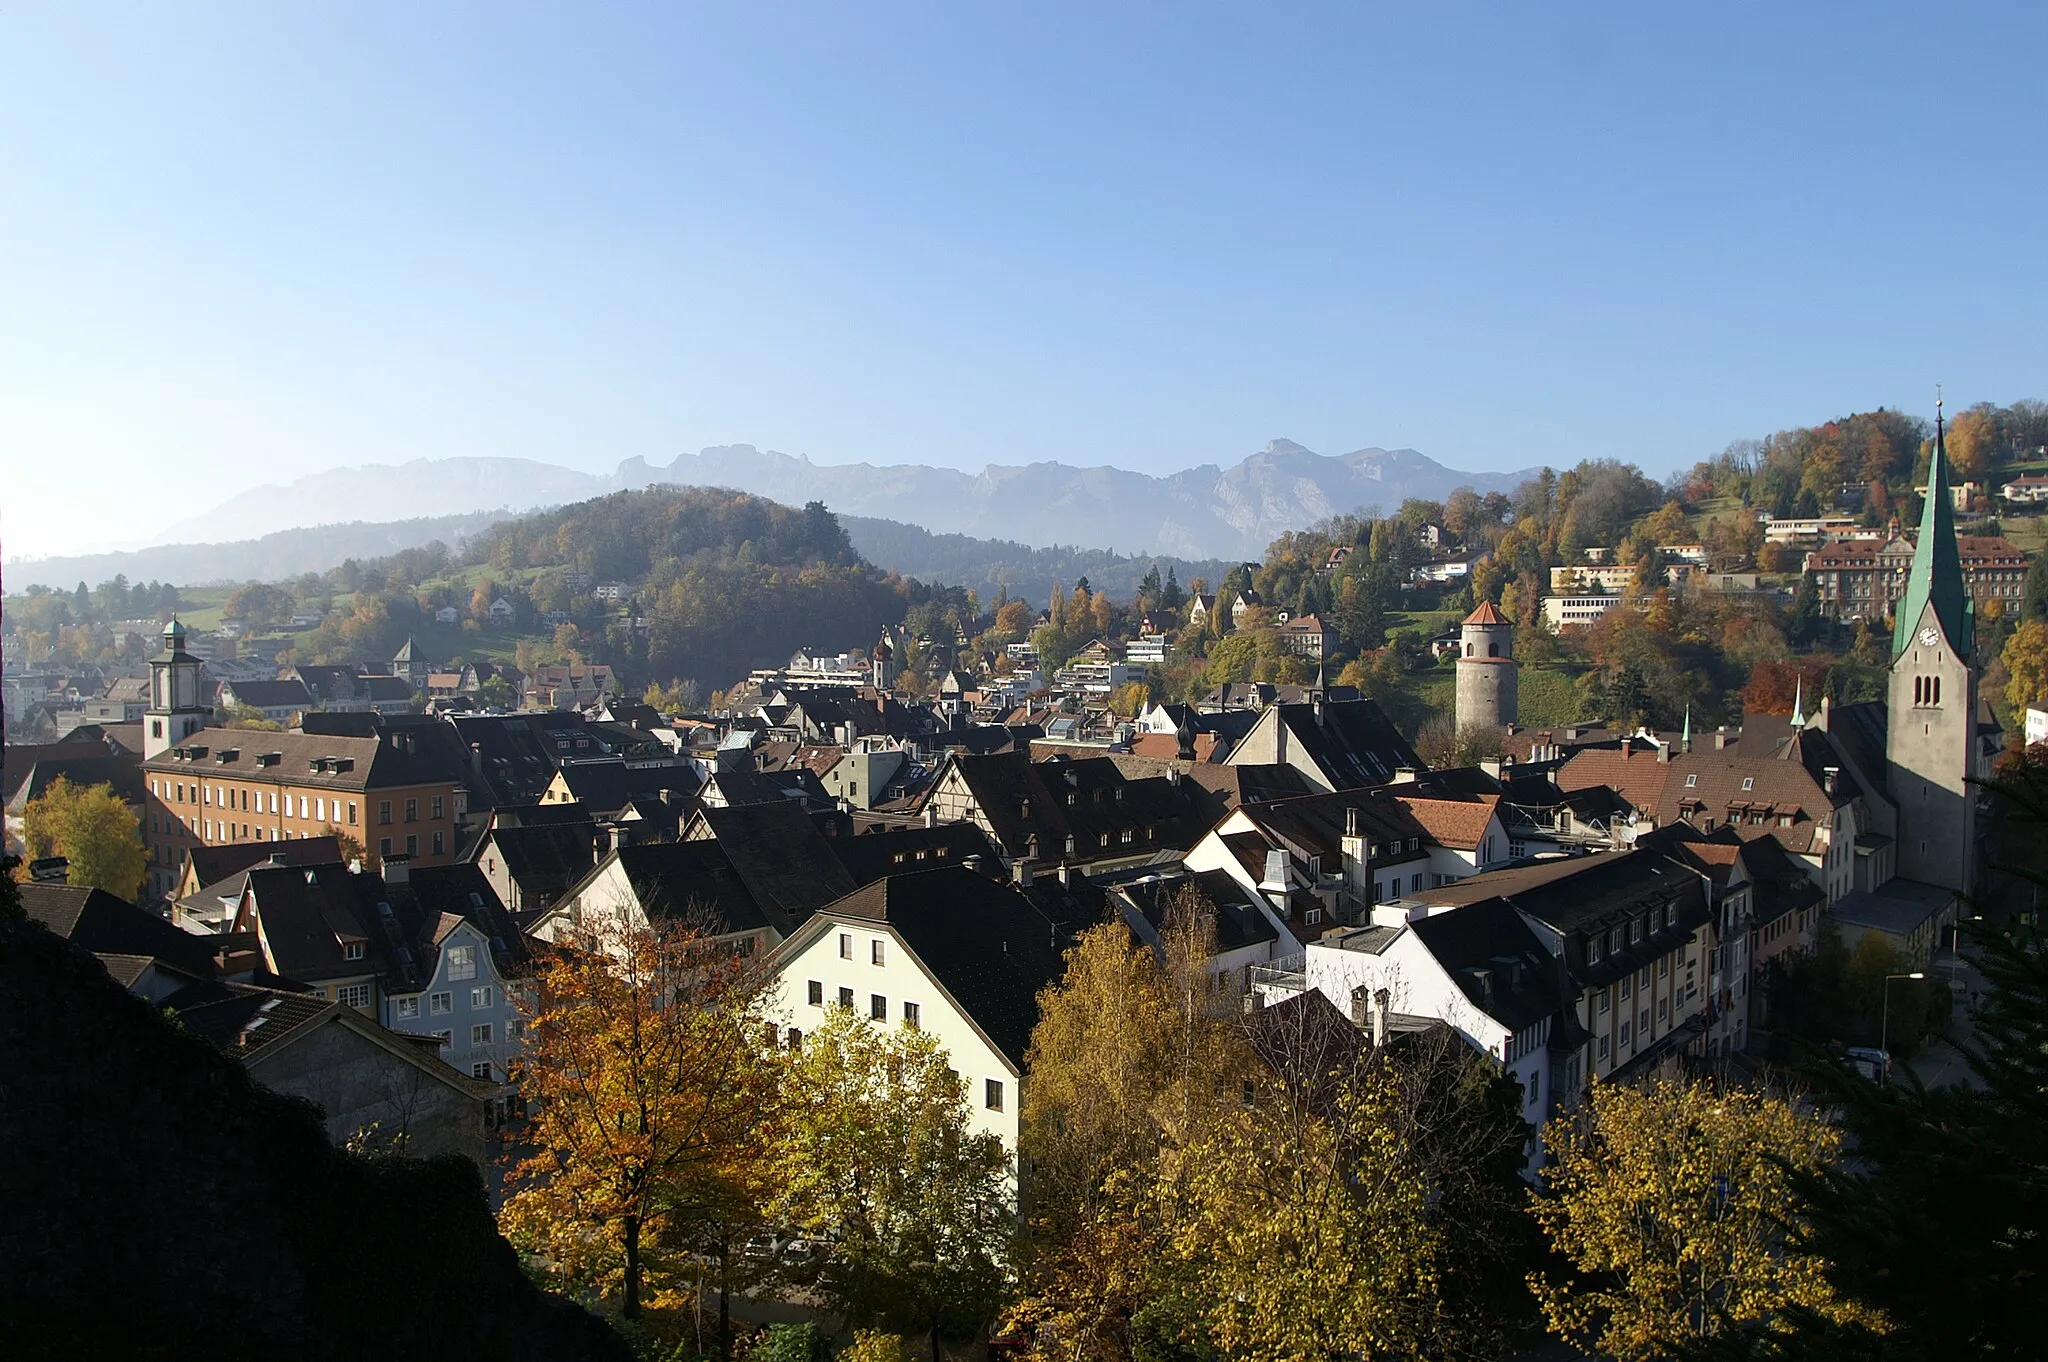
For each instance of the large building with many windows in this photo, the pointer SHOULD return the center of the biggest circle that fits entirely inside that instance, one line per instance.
(221, 786)
(1867, 580)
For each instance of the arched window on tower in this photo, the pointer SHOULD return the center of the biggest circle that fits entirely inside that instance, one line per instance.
(1493, 650)
(1468, 650)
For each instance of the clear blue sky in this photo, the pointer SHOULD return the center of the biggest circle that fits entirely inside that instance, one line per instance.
(241, 242)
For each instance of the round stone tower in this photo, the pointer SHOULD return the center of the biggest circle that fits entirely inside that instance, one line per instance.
(1487, 670)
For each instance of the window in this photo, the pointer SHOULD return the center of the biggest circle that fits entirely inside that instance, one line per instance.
(440, 841)
(878, 1007)
(352, 950)
(1692, 782)
(815, 993)
(383, 812)
(487, 996)
(1625, 1033)
(434, 807)
(412, 844)
(440, 1004)
(351, 812)
(480, 1034)
(1603, 1047)
(273, 801)
(992, 1094)
(875, 952)
(1635, 931)
(1415, 884)
(353, 995)
(1601, 1002)
(1664, 968)
(846, 998)
(321, 805)
(1748, 783)
(796, 1038)
(1663, 1008)
(1414, 843)
(412, 811)
(383, 846)
(846, 945)
(1592, 950)
(462, 962)
(1627, 988)
(407, 1009)
(481, 1069)
(913, 1016)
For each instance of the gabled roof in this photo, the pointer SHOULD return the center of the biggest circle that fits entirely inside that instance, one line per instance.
(778, 851)
(122, 774)
(1352, 742)
(875, 855)
(695, 883)
(211, 865)
(1487, 613)
(1458, 823)
(1489, 951)
(544, 858)
(987, 946)
(106, 925)
(270, 694)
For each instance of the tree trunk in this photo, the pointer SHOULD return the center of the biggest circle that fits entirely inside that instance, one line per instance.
(630, 1307)
(724, 1302)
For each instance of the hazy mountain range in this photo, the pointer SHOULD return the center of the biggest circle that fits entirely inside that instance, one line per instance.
(1202, 513)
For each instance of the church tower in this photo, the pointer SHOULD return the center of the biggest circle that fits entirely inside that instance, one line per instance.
(1488, 693)
(1930, 739)
(177, 703)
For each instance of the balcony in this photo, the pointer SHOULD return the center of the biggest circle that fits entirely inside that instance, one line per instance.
(1287, 975)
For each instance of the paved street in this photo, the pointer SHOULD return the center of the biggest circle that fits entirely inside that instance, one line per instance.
(1939, 1063)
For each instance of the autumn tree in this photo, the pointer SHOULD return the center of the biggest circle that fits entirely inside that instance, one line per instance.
(2026, 663)
(1128, 1056)
(1674, 1204)
(650, 1094)
(879, 1155)
(93, 829)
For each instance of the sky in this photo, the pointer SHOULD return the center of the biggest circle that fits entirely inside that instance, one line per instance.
(239, 243)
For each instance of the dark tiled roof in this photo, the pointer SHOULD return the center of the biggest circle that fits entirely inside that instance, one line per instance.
(895, 851)
(398, 757)
(123, 774)
(543, 859)
(778, 851)
(244, 1020)
(982, 940)
(1490, 952)
(270, 694)
(695, 883)
(797, 783)
(1239, 923)
(106, 925)
(1352, 742)
(211, 865)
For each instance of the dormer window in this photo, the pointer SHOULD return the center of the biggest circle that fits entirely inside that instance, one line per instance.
(351, 950)
(1592, 950)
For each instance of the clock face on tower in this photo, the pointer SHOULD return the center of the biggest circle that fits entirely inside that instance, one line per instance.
(1929, 637)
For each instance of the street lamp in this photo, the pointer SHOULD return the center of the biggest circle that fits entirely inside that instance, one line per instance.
(1884, 1027)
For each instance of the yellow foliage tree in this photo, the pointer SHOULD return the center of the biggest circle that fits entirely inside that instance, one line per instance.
(1299, 1223)
(652, 1101)
(1674, 1202)
(2026, 663)
(1971, 442)
(92, 828)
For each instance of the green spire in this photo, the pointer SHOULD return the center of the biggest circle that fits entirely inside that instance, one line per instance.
(1936, 577)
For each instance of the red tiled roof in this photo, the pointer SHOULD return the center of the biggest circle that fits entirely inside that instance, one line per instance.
(1456, 823)
(1487, 613)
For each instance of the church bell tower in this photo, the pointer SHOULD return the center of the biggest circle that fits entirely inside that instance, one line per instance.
(1930, 736)
(177, 704)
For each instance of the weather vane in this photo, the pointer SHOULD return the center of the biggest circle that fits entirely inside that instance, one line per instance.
(1937, 395)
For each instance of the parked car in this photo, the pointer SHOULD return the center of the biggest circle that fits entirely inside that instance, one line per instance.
(803, 1252)
(1874, 1064)
(765, 1246)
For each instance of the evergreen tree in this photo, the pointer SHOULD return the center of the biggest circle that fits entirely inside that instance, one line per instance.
(1171, 596)
(1937, 1222)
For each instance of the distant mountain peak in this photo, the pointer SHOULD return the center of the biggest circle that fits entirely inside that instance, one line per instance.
(1201, 512)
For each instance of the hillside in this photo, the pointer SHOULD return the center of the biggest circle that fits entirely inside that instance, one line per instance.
(990, 566)
(729, 581)
(1200, 512)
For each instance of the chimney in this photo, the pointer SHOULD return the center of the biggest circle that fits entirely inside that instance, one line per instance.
(615, 836)
(1380, 999)
(931, 816)
(1721, 738)
(1020, 872)
(476, 757)
(1276, 871)
(1066, 876)
(1492, 766)
(1403, 775)
(1361, 1009)
(1663, 751)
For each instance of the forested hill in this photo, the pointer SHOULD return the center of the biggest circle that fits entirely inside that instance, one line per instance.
(728, 581)
(991, 567)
